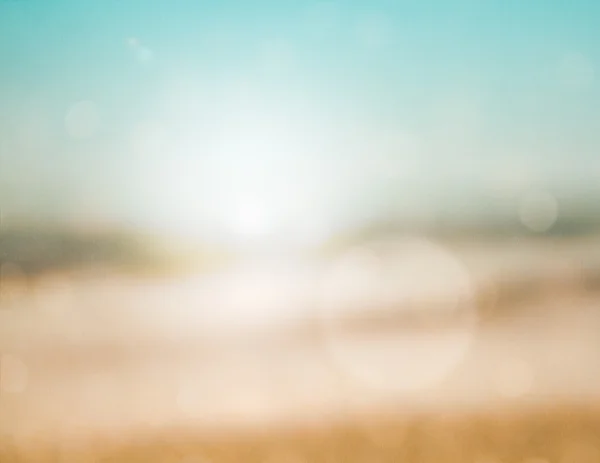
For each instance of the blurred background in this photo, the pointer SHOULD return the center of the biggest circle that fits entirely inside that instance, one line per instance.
(299, 231)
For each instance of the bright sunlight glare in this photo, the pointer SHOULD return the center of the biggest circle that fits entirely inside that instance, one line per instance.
(250, 179)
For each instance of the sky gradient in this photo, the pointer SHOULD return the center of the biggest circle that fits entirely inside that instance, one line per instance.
(181, 111)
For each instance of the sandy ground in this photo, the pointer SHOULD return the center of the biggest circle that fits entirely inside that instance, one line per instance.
(86, 382)
(88, 357)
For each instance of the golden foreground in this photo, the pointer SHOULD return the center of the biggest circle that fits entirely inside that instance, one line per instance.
(104, 369)
(567, 434)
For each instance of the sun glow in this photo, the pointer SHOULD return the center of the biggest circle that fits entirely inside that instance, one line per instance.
(255, 178)
(251, 219)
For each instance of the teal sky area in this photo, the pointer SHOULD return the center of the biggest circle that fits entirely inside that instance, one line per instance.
(191, 112)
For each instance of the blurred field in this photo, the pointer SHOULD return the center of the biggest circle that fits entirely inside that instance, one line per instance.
(108, 366)
(553, 435)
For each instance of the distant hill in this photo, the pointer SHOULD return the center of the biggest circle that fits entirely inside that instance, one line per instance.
(39, 249)
(35, 250)
(494, 228)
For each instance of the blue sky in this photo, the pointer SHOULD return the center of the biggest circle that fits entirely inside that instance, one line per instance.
(462, 89)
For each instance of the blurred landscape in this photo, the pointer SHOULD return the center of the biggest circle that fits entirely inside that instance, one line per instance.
(295, 232)
(104, 360)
